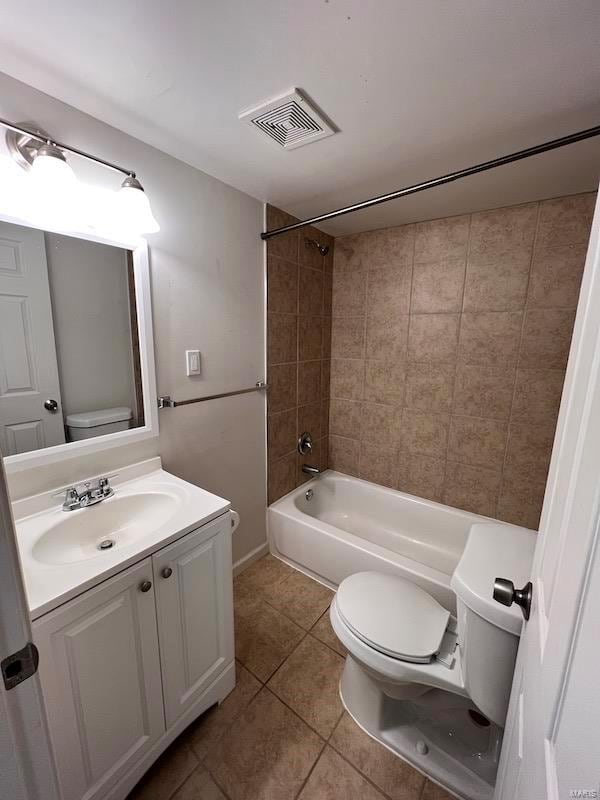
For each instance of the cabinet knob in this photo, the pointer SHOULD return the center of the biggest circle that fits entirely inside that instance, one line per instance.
(145, 586)
(167, 572)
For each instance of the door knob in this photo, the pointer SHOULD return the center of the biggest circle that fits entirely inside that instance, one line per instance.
(145, 586)
(167, 572)
(51, 405)
(505, 593)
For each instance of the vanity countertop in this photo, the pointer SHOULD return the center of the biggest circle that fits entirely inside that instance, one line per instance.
(60, 553)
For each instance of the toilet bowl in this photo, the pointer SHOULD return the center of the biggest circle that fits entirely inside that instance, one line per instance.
(431, 687)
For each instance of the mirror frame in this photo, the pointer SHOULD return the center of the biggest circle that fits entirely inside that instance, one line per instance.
(141, 271)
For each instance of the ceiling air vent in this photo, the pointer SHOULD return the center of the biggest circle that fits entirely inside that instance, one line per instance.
(290, 120)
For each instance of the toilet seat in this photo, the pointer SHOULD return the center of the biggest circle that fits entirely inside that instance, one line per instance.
(392, 615)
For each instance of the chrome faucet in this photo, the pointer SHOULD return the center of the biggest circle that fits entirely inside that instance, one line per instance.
(309, 470)
(74, 499)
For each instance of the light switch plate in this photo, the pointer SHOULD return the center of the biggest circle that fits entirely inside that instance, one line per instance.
(192, 362)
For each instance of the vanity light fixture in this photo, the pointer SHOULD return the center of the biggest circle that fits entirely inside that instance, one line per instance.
(35, 151)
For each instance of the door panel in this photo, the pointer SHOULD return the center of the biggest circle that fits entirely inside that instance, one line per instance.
(28, 364)
(100, 673)
(195, 615)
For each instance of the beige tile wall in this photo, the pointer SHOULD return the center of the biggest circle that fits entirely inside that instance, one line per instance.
(449, 345)
(298, 351)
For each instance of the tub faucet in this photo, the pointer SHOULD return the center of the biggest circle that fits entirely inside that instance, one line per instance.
(309, 470)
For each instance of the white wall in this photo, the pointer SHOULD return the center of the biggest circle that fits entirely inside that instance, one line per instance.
(207, 271)
(90, 312)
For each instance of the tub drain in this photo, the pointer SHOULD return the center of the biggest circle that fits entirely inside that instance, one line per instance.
(106, 544)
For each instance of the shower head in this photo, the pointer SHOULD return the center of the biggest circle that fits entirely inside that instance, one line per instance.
(322, 248)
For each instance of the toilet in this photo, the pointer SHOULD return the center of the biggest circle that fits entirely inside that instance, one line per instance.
(97, 423)
(434, 687)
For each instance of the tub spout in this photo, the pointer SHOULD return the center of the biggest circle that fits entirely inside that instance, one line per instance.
(309, 470)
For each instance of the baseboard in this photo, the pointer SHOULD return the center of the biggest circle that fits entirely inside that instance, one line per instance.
(244, 562)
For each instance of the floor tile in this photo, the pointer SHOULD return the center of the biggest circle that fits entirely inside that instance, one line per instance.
(300, 598)
(164, 778)
(266, 755)
(263, 637)
(334, 779)
(199, 786)
(393, 775)
(434, 792)
(264, 573)
(323, 631)
(209, 728)
(308, 683)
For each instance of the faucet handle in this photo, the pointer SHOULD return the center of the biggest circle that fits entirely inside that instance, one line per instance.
(104, 484)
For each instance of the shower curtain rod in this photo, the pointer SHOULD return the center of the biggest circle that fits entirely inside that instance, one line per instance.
(430, 184)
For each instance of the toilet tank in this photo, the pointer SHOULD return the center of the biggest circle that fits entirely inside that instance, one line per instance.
(488, 632)
(88, 424)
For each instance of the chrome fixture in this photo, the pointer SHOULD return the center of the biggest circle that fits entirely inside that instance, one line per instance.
(310, 470)
(545, 147)
(305, 443)
(322, 248)
(34, 149)
(309, 494)
(167, 402)
(505, 593)
(74, 499)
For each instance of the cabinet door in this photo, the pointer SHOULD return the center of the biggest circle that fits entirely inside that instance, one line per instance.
(100, 674)
(195, 613)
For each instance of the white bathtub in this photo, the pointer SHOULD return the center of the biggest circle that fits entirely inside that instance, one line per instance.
(350, 525)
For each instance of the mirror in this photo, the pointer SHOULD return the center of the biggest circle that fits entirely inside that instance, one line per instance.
(69, 345)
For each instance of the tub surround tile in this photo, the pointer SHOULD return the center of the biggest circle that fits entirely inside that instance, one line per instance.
(521, 498)
(442, 238)
(430, 387)
(267, 755)
(437, 286)
(282, 286)
(378, 465)
(299, 302)
(324, 418)
(421, 475)
(477, 442)
(472, 488)
(463, 325)
(310, 291)
(282, 337)
(547, 336)
(391, 774)
(334, 778)
(308, 682)
(300, 598)
(556, 277)
(281, 433)
(431, 791)
(344, 454)
(433, 338)
(483, 391)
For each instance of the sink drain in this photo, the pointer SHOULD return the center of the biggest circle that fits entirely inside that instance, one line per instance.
(106, 544)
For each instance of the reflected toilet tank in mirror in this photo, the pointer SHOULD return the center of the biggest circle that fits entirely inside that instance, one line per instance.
(69, 347)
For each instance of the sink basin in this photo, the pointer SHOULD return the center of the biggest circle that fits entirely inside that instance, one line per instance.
(114, 523)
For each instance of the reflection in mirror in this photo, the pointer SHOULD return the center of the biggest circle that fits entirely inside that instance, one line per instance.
(69, 352)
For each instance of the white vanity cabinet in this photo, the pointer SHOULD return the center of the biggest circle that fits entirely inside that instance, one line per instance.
(128, 664)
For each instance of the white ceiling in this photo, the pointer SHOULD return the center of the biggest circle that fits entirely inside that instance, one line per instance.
(417, 89)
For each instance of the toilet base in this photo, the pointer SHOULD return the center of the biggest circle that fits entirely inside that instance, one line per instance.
(434, 732)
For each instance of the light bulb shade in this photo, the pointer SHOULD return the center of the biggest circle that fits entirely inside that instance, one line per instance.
(51, 171)
(135, 207)
(55, 198)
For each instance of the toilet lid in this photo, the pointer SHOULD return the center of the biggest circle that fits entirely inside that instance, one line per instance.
(392, 615)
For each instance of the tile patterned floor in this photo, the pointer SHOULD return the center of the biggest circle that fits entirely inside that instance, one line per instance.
(282, 733)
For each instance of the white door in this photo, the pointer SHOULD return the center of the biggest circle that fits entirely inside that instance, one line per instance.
(26, 762)
(552, 740)
(28, 365)
(100, 674)
(195, 613)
